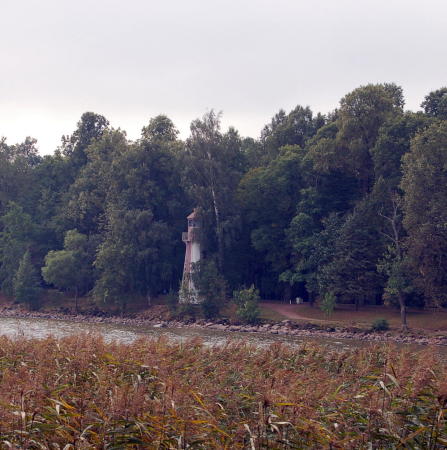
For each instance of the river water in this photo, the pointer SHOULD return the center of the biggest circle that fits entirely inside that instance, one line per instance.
(41, 328)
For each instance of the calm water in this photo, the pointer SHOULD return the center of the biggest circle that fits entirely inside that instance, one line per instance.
(40, 328)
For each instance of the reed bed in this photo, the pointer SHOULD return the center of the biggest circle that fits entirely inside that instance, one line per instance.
(81, 393)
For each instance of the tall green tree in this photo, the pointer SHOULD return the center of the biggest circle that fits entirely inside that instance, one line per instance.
(269, 197)
(90, 128)
(323, 203)
(295, 128)
(17, 173)
(116, 261)
(88, 195)
(352, 273)
(26, 282)
(161, 130)
(211, 287)
(214, 164)
(393, 141)
(354, 133)
(145, 210)
(435, 104)
(394, 263)
(71, 269)
(425, 210)
(15, 238)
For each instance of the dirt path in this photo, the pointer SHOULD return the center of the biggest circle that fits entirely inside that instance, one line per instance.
(288, 311)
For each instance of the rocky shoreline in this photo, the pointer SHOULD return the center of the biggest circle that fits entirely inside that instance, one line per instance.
(286, 327)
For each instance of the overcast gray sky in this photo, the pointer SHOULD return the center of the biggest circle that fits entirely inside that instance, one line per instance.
(133, 59)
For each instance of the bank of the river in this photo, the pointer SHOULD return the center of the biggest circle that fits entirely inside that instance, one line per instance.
(285, 327)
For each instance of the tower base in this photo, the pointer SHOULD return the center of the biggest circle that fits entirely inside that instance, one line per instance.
(188, 293)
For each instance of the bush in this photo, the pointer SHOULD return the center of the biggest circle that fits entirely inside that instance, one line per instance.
(247, 304)
(172, 301)
(380, 325)
(211, 287)
(327, 305)
(26, 283)
(186, 311)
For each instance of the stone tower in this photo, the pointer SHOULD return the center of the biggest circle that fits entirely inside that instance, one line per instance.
(191, 238)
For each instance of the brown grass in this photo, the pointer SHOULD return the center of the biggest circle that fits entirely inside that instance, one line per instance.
(80, 392)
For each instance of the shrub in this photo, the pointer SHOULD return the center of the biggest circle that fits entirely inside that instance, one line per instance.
(172, 301)
(26, 283)
(187, 311)
(247, 304)
(327, 305)
(211, 287)
(380, 325)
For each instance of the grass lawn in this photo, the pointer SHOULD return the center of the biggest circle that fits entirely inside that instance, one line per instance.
(346, 315)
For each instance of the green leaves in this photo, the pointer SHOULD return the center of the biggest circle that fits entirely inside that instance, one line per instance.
(15, 239)
(71, 269)
(26, 283)
(425, 206)
(247, 304)
(211, 287)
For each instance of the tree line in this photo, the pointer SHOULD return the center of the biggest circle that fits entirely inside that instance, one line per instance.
(351, 204)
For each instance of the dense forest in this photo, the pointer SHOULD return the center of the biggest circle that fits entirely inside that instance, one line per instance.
(352, 204)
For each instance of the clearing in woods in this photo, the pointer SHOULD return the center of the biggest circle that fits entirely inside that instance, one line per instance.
(346, 315)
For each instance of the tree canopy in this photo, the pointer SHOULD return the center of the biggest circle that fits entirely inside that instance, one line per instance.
(349, 206)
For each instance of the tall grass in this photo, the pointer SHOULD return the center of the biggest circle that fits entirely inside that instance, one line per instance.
(80, 392)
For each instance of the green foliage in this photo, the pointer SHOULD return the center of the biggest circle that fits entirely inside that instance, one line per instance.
(61, 269)
(328, 302)
(90, 128)
(70, 269)
(172, 300)
(187, 311)
(435, 104)
(351, 271)
(16, 236)
(116, 261)
(210, 286)
(213, 166)
(26, 283)
(18, 165)
(141, 207)
(305, 209)
(392, 143)
(380, 325)
(94, 185)
(362, 112)
(425, 211)
(268, 197)
(293, 129)
(160, 129)
(399, 276)
(247, 304)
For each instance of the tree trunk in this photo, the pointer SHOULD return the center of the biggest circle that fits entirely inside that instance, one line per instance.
(403, 312)
(76, 300)
(220, 250)
(287, 292)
